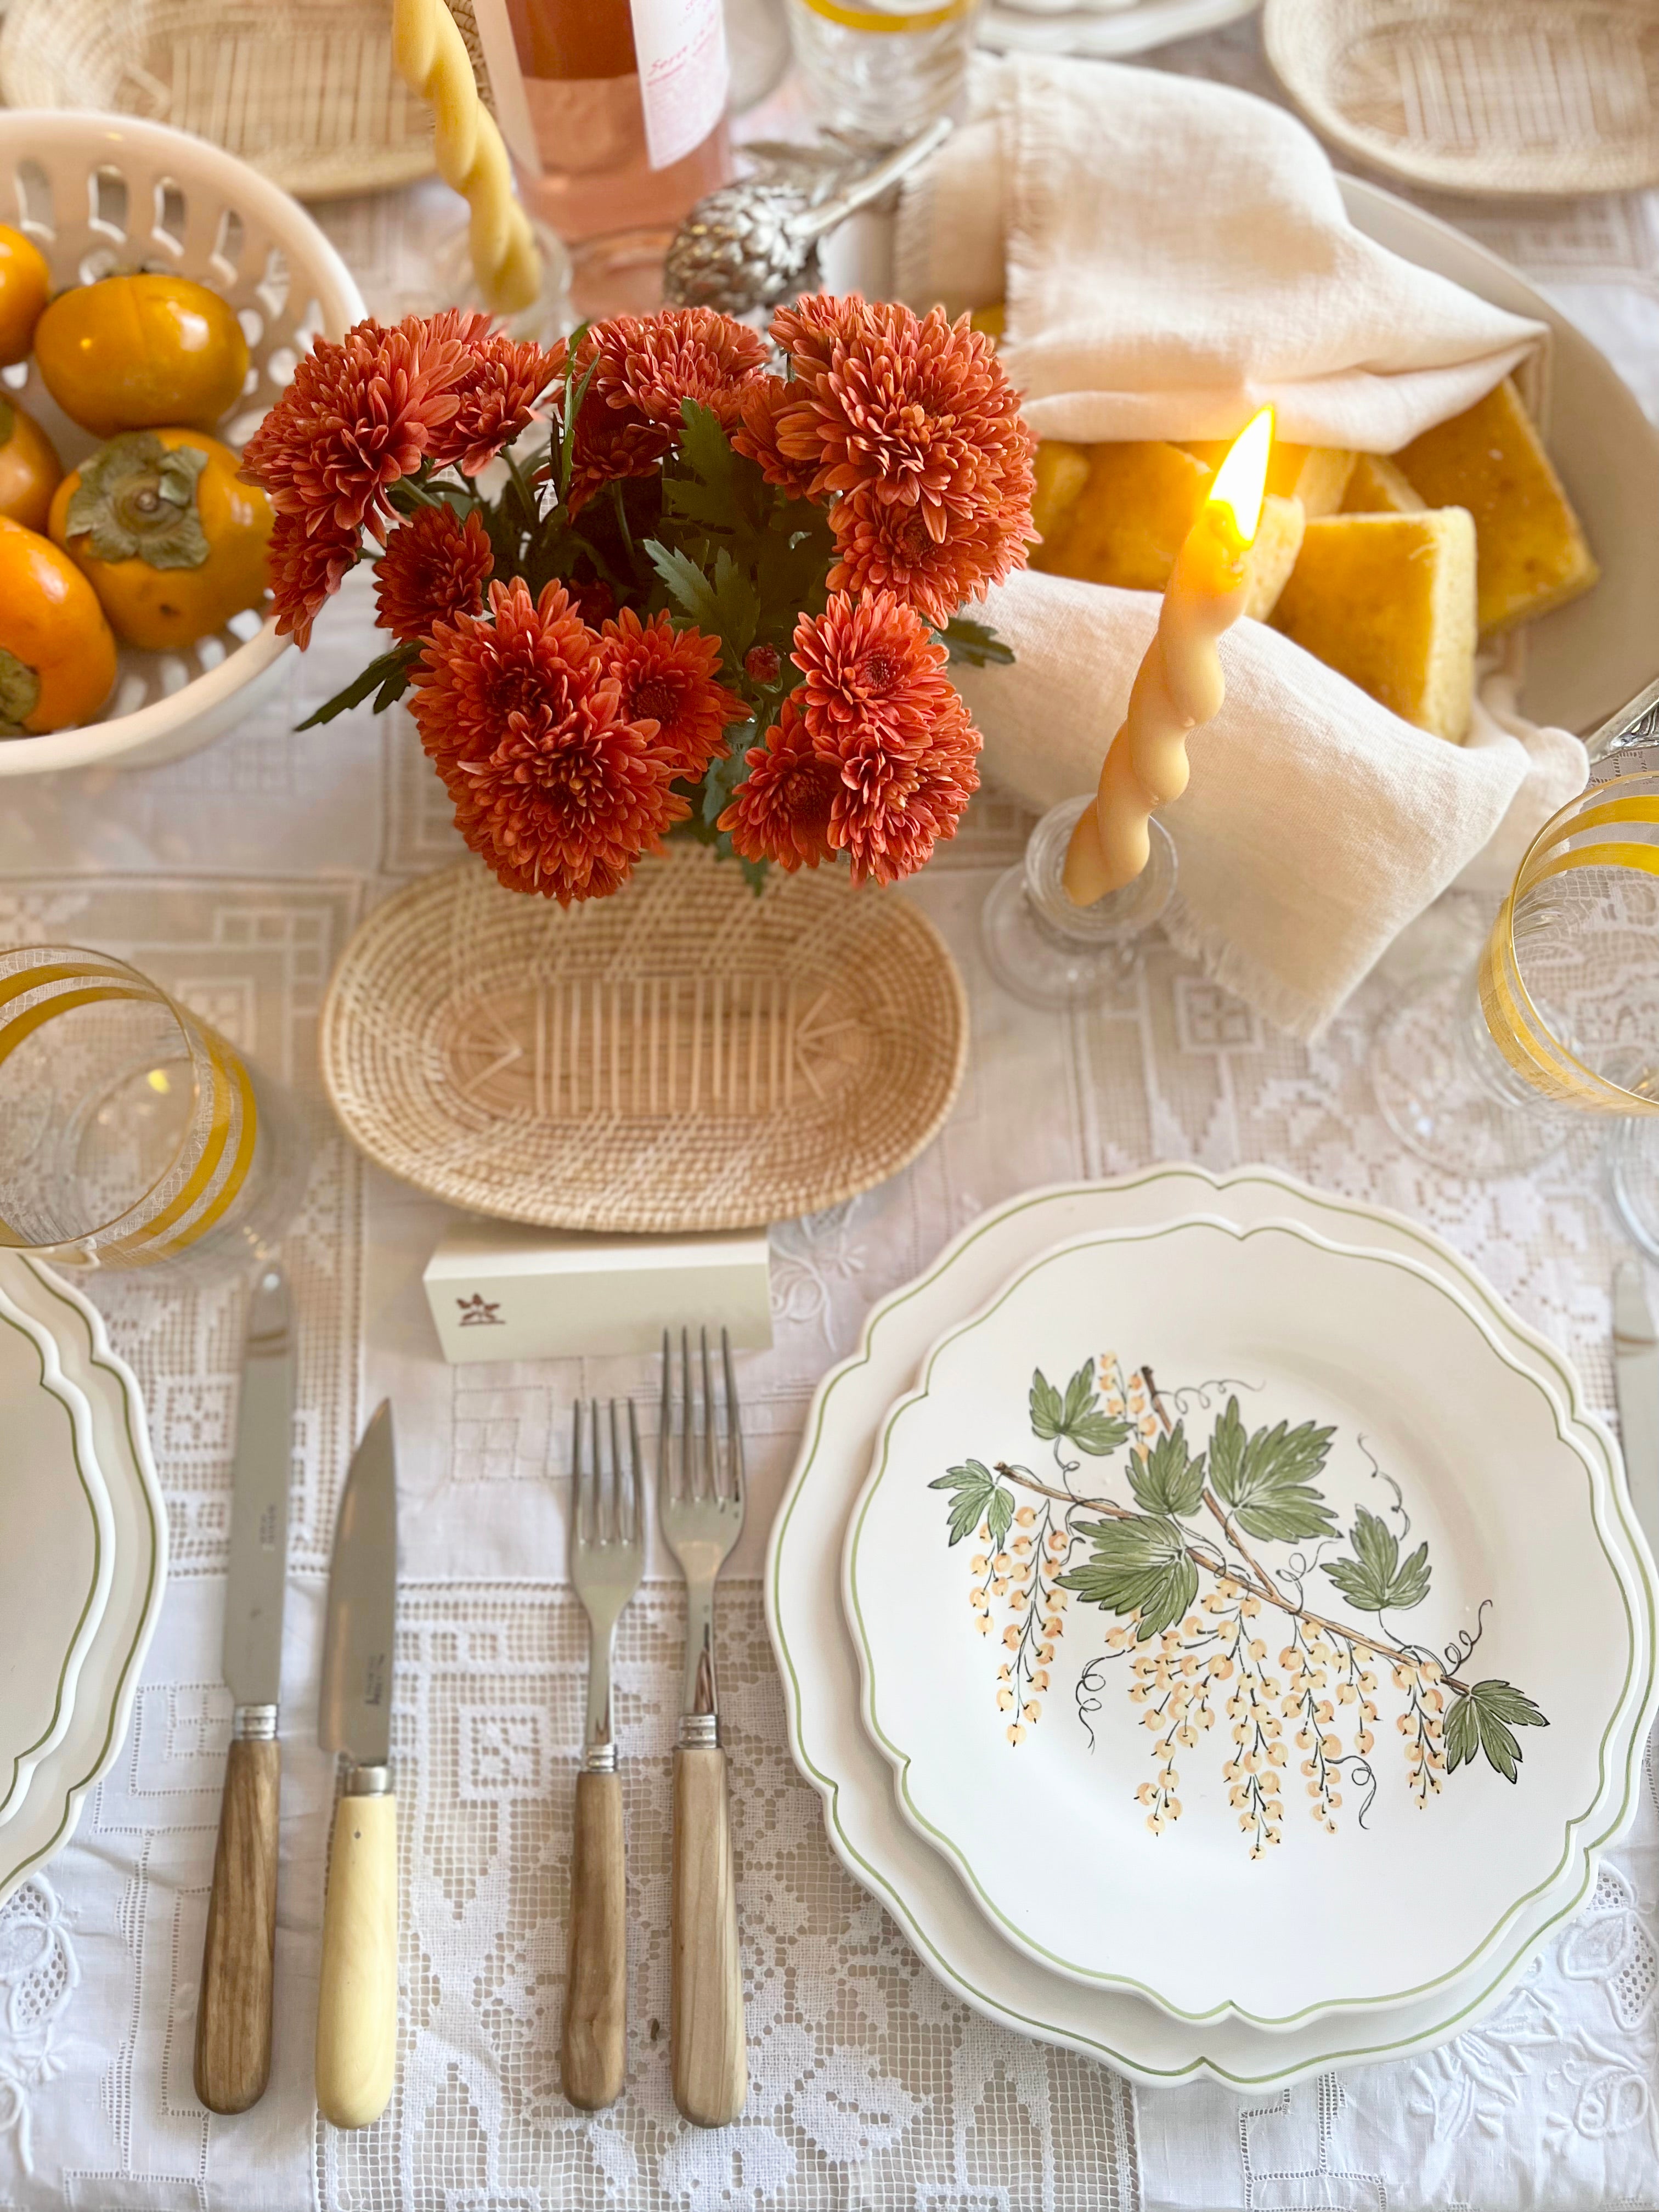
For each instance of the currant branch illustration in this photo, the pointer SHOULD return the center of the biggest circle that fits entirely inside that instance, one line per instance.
(1188, 1656)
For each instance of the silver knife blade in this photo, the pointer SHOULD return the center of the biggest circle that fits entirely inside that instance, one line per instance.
(260, 1474)
(1636, 1375)
(355, 1711)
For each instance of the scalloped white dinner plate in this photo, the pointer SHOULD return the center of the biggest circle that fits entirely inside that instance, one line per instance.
(99, 1705)
(820, 1670)
(1343, 1537)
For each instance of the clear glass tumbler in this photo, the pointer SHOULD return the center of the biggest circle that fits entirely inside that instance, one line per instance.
(132, 1134)
(883, 69)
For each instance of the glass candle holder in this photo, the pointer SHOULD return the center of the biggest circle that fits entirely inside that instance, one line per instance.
(1046, 949)
(132, 1134)
(1483, 1074)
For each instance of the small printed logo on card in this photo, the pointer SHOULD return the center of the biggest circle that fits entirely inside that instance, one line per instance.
(478, 1312)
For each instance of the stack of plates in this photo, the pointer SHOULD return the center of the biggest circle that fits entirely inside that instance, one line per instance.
(82, 1558)
(1243, 1646)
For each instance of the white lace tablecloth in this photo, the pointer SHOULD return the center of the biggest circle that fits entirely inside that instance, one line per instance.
(235, 877)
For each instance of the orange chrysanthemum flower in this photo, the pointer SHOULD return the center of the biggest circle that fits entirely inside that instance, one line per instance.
(782, 810)
(915, 412)
(644, 367)
(871, 661)
(761, 408)
(434, 568)
(670, 677)
(502, 380)
(556, 790)
(892, 805)
(885, 548)
(357, 416)
(306, 568)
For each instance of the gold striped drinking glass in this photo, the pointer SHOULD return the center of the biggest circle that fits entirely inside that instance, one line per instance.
(1483, 1074)
(132, 1134)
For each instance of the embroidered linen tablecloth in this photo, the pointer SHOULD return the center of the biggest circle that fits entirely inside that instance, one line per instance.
(235, 877)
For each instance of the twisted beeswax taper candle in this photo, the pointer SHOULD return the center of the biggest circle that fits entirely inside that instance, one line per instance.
(1179, 684)
(432, 59)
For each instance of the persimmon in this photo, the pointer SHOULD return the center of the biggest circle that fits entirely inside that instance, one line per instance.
(137, 353)
(25, 288)
(30, 471)
(57, 653)
(170, 540)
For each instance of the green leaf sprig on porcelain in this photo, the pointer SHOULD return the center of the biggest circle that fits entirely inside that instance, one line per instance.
(1177, 1572)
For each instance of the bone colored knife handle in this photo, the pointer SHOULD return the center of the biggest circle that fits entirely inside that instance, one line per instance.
(233, 2015)
(593, 2056)
(710, 2057)
(357, 2000)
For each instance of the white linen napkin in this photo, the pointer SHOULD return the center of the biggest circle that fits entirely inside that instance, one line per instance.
(1173, 254)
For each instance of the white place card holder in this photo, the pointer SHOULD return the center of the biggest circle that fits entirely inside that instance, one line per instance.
(498, 1291)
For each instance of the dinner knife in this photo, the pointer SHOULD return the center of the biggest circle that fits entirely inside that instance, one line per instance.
(232, 2012)
(357, 2000)
(1636, 1375)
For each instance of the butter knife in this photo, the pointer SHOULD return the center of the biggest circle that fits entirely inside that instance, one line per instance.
(1636, 1375)
(233, 2014)
(358, 1996)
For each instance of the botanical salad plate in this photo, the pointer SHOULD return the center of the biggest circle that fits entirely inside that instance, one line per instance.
(1245, 1618)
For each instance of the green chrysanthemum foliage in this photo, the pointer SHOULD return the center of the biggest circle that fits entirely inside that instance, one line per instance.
(1139, 1564)
(1376, 1579)
(1265, 1478)
(1484, 1719)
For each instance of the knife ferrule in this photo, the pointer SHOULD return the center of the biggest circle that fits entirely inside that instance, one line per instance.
(254, 1724)
(699, 1731)
(368, 1781)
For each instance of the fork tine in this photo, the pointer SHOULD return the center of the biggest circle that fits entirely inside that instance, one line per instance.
(597, 1478)
(616, 1480)
(734, 1425)
(666, 1429)
(688, 1457)
(578, 1486)
(709, 1473)
(636, 1490)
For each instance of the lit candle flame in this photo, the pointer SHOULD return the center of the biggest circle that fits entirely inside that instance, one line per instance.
(1241, 479)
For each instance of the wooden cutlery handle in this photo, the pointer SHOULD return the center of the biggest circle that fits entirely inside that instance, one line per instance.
(593, 2056)
(710, 2057)
(233, 2012)
(357, 2000)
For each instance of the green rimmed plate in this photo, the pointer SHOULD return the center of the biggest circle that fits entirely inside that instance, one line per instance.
(820, 1675)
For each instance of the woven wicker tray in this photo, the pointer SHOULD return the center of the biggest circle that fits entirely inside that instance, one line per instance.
(1491, 96)
(684, 1055)
(303, 90)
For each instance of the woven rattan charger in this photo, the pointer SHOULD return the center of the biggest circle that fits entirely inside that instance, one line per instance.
(687, 1054)
(1498, 97)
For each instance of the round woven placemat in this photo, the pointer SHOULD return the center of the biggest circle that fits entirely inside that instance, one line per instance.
(303, 90)
(1498, 97)
(684, 1055)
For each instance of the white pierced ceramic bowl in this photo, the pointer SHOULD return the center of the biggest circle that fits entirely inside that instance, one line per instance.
(98, 194)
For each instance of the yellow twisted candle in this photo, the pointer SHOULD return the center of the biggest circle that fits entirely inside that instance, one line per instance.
(432, 59)
(1179, 684)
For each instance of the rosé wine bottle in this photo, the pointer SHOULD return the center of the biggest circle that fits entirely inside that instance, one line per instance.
(628, 101)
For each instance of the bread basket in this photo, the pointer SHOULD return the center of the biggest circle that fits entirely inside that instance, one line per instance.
(98, 194)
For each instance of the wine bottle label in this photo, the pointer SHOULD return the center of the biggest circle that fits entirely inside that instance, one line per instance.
(684, 74)
(891, 15)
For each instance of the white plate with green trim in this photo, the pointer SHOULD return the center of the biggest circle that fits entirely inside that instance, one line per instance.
(99, 1704)
(1242, 1565)
(820, 1670)
(56, 1548)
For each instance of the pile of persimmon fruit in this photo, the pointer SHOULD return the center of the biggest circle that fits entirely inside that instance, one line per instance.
(151, 540)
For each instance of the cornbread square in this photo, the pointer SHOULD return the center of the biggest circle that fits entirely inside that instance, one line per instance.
(1388, 601)
(1376, 486)
(1127, 525)
(1531, 550)
(1269, 563)
(1061, 471)
(1316, 475)
(993, 320)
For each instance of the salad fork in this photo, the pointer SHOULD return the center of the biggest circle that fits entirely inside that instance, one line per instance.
(607, 1551)
(700, 1504)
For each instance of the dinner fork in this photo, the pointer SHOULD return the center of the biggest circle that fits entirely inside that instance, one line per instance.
(699, 1505)
(607, 1551)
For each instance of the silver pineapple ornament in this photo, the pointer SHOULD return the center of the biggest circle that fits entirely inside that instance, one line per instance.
(753, 243)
